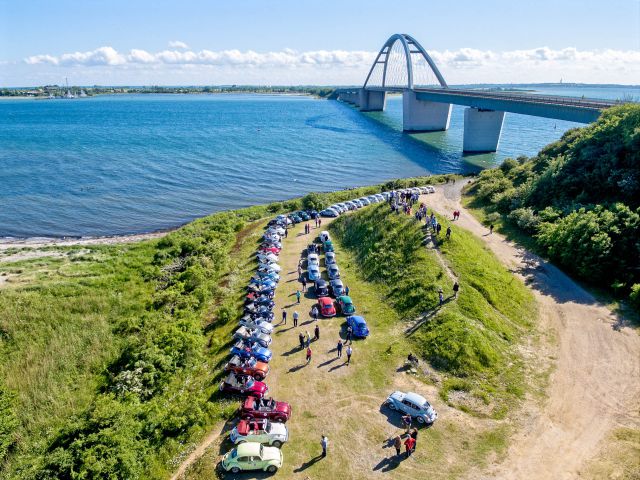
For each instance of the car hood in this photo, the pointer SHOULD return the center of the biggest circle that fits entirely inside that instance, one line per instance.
(263, 351)
(271, 453)
(278, 429)
(283, 407)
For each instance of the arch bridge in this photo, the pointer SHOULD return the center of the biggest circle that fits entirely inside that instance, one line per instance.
(404, 66)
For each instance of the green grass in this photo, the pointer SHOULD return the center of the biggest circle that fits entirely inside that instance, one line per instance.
(472, 339)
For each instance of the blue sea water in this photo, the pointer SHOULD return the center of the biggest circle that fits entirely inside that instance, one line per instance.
(126, 164)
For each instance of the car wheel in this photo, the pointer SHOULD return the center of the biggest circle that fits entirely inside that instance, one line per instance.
(272, 469)
(235, 470)
(258, 376)
(392, 405)
(277, 443)
(421, 420)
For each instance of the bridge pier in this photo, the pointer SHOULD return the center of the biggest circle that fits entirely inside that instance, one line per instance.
(372, 100)
(423, 116)
(482, 130)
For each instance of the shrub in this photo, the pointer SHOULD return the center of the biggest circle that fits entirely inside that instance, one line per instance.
(525, 219)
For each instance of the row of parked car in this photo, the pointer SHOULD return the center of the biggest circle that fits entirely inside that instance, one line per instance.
(338, 209)
(262, 428)
(334, 288)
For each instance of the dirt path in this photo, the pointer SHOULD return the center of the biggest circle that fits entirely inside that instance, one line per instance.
(596, 383)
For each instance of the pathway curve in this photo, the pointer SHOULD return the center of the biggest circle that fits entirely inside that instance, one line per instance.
(596, 383)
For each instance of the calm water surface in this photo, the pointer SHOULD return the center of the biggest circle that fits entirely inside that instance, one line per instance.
(126, 164)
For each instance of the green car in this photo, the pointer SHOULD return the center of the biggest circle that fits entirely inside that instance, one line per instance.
(252, 456)
(346, 305)
(327, 246)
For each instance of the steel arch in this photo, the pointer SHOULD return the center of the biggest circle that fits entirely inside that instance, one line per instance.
(407, 42)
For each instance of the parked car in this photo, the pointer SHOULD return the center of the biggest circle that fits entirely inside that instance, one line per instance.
(313, 259)
(283, 219)
(364, 201)
(333, 271)
(274, 250)
(260, 430)
(313, 272)
(320, 288)
(346, 305)
(245, 350)
(324, 236)
(359, 326)
(336, 287)
(257, 323)
(350, 205)
(339, 208)
(330, 258)
(357, 203)
(328, 212)
(267, 258)
(312, 248)
(295, 218)
(254, 407)
(269, 267)
(325, 305)
(412, 404)
(327, 246)
(313, 213)
(304, 215)
(252, 456)
(244, 333)
(243, 385)
(247, 366)
(380, 197)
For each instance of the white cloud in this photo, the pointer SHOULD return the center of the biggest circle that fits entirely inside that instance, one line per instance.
(465, 65)
(178, 44)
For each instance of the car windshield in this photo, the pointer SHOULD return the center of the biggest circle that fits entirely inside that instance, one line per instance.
(234, 453)
(261, 452)
(250, 381)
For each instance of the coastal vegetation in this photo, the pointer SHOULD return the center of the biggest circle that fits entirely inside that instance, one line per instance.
(577, 201)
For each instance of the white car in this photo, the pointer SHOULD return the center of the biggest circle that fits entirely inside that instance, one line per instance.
(350, 205)
(313, 259)
(269, 267)
(260, 431)
(284, 220)
(324, 236)
(276, 229)
(414, 405)
(338, 208)
(256, 324)
(357, 203)
(330, 212)
(431, 189)
(329, 258)
(244, 333)
(267, 257)
(364, 201)
(379, 197)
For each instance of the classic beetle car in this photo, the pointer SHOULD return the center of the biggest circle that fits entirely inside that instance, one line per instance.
(346, 305)
(252, 456)
(313, 259)
(329, 212)
(248, 334)
(320, 288)
(329, 258)
(358, 325)
(326, 307)
(260, 430)
(327, 246)
(337, 287)
(246, 350)
(312, 248)
(243, 385)
(412, 404)
(333, 271)
(247, 366)
(324, 236)
(313, 272)
(254, 407)
(257, 323)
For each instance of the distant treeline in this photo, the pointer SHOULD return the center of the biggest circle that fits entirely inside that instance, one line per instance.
(578, 199)
(58, 90)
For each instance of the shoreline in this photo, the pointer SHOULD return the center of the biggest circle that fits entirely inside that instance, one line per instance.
(7, 243)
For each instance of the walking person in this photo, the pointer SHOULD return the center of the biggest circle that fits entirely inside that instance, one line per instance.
(349, 353)
(301, 338)
(316, 332)
(319, 222)
(298, 296)
(438, 228)
(456, 287)
(409, 445)
(490, 229)
(448, 232)
(324, 443)
(349, 334)
(339, 348)
(295, 318)
(397, 443)
(308, 355)
(284, 317)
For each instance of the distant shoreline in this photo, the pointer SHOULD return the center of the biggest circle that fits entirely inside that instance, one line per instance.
(7, 243)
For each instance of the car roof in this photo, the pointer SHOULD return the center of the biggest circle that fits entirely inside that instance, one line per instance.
(415, 398)
(345, 298)
(248, 449)
(324, 300)
(337, 281)
(330, 254)
(313, 266)
(321, 281)
(358, 319)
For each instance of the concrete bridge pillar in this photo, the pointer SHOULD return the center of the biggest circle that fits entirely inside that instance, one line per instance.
(482, 130)
(372, 100)
(423, 116)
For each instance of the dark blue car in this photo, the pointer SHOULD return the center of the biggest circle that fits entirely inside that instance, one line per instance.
(248, 350)
(359, 326)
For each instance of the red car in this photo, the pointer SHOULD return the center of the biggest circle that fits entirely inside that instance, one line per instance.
(243, 385)
(275, 250)
(265, 408)
(327, 309)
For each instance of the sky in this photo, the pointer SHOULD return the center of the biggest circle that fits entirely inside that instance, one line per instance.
(211, 42)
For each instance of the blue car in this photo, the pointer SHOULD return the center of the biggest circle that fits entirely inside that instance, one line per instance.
(313, 273)
(248, 350)
(359, 326)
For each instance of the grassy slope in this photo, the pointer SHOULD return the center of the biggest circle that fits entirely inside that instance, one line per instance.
(471, 339)
(70, 323)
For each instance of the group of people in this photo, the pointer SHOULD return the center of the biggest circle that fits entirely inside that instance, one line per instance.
(411, 438)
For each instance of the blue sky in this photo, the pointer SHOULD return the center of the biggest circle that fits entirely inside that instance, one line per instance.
(473, 41)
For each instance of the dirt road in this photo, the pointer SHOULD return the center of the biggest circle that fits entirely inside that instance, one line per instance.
(595, 386)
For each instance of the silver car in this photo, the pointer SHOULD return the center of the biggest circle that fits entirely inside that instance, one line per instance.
(412, 404)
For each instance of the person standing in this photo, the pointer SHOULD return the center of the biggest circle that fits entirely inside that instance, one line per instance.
(308, 355)
(314, 313)
(308, 338)
(284, 317)
(319, 222)
(456, 287)
(286, 231)
(324, 443)
(299, 271)
(295, 318)
(346, 290)
(349, 334)
(441, 297)
(316, 332)
(448, 232)
(490, 229)
(438, 228)
(349, 353)
(397, 443)
(339, 348)
(304, 284)
(301, 338)
(298, 296)
(409, 445)
(406, 421)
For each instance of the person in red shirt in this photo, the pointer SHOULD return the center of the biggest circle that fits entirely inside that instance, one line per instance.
(409, 445)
